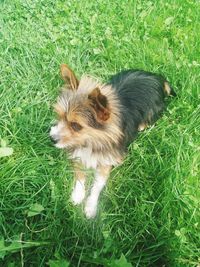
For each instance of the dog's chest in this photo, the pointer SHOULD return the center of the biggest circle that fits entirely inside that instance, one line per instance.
(91, 160)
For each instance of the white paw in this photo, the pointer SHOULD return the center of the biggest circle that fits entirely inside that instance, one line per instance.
(78, 193)
(90, 208)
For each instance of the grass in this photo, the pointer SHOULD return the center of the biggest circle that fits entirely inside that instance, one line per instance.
(149, 212)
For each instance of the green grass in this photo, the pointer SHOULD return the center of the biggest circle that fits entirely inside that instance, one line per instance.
(149, 211)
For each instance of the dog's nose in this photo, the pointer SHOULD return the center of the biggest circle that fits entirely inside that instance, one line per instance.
(54, 134)
(53, 139)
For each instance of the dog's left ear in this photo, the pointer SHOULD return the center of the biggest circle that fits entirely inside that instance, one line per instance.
(100, 104)
(69, 77)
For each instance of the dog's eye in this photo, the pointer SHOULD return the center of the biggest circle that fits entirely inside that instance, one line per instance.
(75, 126)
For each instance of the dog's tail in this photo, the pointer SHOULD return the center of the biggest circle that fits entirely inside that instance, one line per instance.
(168, 90)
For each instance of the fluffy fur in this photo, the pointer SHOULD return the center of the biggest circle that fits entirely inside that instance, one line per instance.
(98, 121)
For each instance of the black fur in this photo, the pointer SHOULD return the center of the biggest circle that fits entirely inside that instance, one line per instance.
(142, 96)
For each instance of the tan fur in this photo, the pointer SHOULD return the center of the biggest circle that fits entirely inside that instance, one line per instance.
(167, 89)
(59, 110)
(142, 126)
(79, 171)
(104, 171)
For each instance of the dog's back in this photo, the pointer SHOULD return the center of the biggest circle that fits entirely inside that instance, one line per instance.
(141, 95)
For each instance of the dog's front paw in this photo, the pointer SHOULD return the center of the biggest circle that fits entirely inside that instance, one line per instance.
(90, 208)
(78, 193)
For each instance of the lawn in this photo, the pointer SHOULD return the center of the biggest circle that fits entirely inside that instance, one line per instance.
(149, 213)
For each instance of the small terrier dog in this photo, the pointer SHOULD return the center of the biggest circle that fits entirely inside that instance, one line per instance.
(98, 121)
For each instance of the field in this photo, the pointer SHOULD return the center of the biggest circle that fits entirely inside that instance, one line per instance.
(149, 214)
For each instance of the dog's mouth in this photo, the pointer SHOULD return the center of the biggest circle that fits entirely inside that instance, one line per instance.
(56, 142)
(54, 136)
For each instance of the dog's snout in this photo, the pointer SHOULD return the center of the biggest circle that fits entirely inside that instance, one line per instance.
(54, 136)
(54, 139)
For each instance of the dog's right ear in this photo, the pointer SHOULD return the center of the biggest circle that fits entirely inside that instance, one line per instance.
(69, 77)
(100, 104)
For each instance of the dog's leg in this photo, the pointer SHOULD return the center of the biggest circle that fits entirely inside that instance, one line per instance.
(101, 176)
(142, 126)
(78, 193)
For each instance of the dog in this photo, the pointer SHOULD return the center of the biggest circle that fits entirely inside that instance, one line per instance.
(97, 122)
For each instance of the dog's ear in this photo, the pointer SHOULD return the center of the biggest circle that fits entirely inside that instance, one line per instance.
(69, 77)
(100, 104)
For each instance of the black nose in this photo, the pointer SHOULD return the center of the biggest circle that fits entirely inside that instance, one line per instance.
(53, 139)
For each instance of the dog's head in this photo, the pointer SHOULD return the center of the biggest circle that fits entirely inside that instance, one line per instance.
(84, 113)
